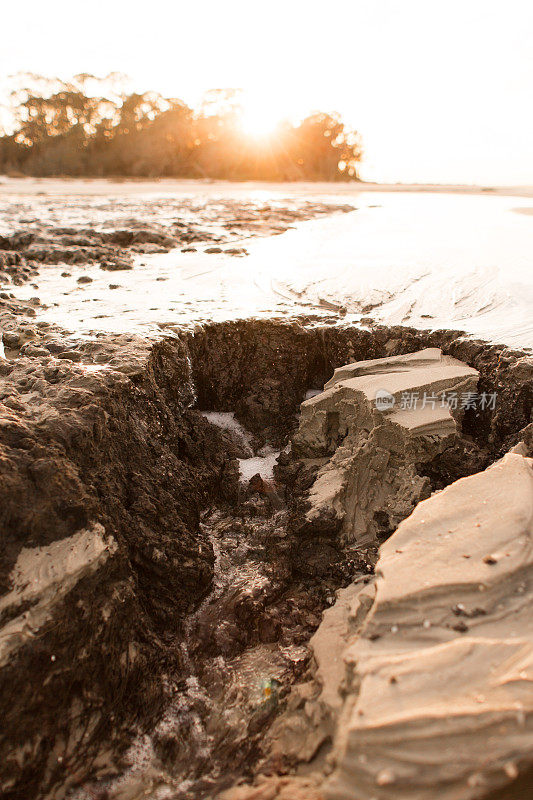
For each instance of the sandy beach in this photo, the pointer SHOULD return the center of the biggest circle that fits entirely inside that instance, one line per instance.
(77, 186)
(225, 562)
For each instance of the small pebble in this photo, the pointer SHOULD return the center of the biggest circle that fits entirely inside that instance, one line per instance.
(460, 627)
(511, 770)
(385, 777)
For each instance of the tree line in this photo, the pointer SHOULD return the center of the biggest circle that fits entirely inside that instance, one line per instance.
(67, 128)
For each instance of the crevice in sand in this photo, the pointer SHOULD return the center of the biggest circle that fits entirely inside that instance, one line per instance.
(217, 586)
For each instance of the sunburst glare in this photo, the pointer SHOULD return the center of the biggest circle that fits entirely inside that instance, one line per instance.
(259, 119)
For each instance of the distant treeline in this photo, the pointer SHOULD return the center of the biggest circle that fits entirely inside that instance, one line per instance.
(61, 128)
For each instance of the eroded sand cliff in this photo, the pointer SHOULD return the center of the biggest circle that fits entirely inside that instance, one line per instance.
(171, 575)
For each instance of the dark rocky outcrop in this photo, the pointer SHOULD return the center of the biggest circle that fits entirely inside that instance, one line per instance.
(115, 240)
(101, 446)
(109, 441)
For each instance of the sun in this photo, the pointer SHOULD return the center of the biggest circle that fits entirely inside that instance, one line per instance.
(258, 119)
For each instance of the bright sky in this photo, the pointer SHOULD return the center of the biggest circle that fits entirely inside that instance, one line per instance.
(441, 90)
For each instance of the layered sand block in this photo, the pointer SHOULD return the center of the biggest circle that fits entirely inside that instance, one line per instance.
(373, 424)
(431, 679)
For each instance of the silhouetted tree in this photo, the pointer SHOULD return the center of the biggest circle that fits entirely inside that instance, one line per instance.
(93, 126)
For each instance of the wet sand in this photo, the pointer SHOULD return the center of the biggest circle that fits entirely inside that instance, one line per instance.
(150, 256)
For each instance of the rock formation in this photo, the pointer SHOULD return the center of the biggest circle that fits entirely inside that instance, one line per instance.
(435, 698)
(368, 434)
(99, 559)
(106, 466)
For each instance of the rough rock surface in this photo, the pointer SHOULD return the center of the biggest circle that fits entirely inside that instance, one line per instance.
(100, 432)
(437, 695)
(368, 439)
(260, 370)
(41, 577)
(121, 230)
(97, 435)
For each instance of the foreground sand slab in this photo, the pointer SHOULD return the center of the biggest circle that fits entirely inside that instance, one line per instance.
(438, 699)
